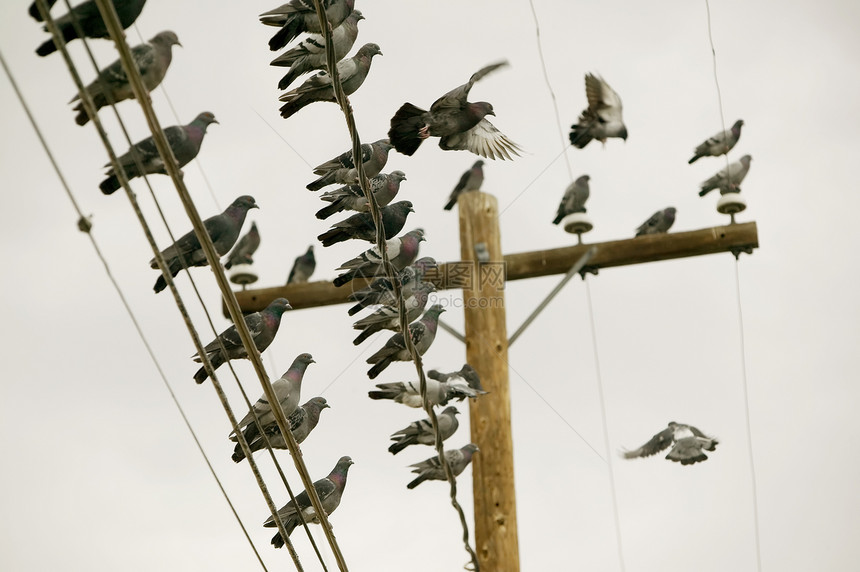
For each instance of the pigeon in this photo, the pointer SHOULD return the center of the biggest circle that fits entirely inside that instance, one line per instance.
(602, 118)
(342, 169)
(459, 124)
(329, 491)
(574, 199)
(431, 469)
(303, 267)
(309, 54)
(350, 197)
(660, 222)
(438, 392)
(381, 291)
(729, 179)
(297, 16)
(470, 181)
(467, 373)
(34, 9)
(302, 421)
(421, 432)
(263, 326)
(352, 72)
(719, 144)
(184, 141)
(223, 229)
(244, 251)
(422, 333)
(402, 251)
(689, 444)
(360, 226)
(388, 317)
(90, 20)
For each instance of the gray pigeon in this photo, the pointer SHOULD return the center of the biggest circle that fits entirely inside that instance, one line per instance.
(309, 54)
(466, 373)
(689, 444)
(602, 118)
(729, 179)
(90, 20)
(352, 72)
(184, 141)
(223, 229)
(438, 392)
(34, 9)
(302, 421)
(263, 326)
(299, 16)
(342, 169)
(422, 333)
(244, 251)
(112, 86)
(471, 180)
(329, 490)
(350, 197)
(461, 125)
(574, 199)
(660, 222)
(421, 432)
(361, 227)
(303, 267)
(402, 251)
(388, 317)
(381, 291)
(431, 469)
(719, 144)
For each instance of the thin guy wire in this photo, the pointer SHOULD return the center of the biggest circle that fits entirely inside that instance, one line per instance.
(717, 84)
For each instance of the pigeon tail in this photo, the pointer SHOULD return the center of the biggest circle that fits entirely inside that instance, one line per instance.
(417, 481)
(579, 135)
(288, 79)
(174, 266)
(397, 447)
(329, 210)
(695, 158)
(369, 331)
(344, 278)
(333, 236)
(323, 181)
(109, 185)
(284, 36)
(238, 454)
(405, 129)
(451, 203)
(216, 361)
(379, 367)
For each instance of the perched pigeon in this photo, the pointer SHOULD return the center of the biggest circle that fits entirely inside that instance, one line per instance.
(438, 392)
(688, 441)
(729, 179)
(223, 229)
(574, 199)
(431, 469)
(302, 421)
(309, 54)
(459, 123)
(299, 16)
(381, 291)
(90, 19)
(402, 251)
(34, 9)
(303, 267)
(342, 169)
(467, 373)
(245, 248)
(360, 226)
(184, 141)
(660, 222)
(352, 72)
(422, 333)
(388, 317)
(263, 327)
(329, 491)
(350, 197)
(602, 118)
(421, 432)
(470, 181)
(719, 144)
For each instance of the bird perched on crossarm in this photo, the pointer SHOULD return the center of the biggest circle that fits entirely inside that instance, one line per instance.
(574, 198)
(660, 222)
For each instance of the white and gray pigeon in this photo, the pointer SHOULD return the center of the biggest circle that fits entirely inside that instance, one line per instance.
(467, 374)
(421, 432)
(381, 291)
(112, 86)
(471, 180)
(431, 469)
(402, 251)
(719, 144)
(729, 179)
(297, 16)
(438, 392)
(660, 222)
(303, 267)
(384, 188)
(244, 251)
(361, 226)
(574, 198)
(422, 333)
(688, 443)
(603, 116)
(89, 19)
(302, 421)
(342, 169)
(184, 141)
(388, 317)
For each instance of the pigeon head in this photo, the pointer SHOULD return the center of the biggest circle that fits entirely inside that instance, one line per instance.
(356, 15)
(304, 360)
(583, 179)
(738, 124)
(370, 50)
(278, 306)
(450, 410)
(623, 132)
(168, 38)
(417, 233)
(469, 450)
(245, 202)
(319, 402)
(434, 311)
(397, 176)
(384, 144)
(481, 108)
(204, 119)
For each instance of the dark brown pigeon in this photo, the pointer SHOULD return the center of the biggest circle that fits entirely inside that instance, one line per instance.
(360, 226)
(90, 20)
(297, 16)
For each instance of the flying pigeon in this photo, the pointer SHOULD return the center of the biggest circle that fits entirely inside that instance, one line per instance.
(299, 16)
(309, 54)
(342, 169)
(459, 123)
(431, 469)
(352, 72)
(388, 317)
(660, 222)
(112, 86)
(244, 251)
(302, 421)
(303, 267)
(602, 118)
(381, 291)
(329, 491)
(360, 226)
(90, 20)
(719, 144)
(729, 179)
(350, 197)
(438, 392)
(421, 432)
(689, 444)
(402, 251)
(223, 229)
(184, 141)
(422, 333)
(470, 181)
(574, 199)
(263, 326)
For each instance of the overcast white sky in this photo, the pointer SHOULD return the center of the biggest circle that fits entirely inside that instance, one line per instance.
(101, 474)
